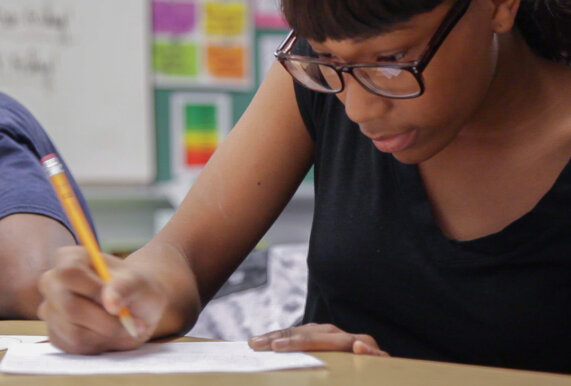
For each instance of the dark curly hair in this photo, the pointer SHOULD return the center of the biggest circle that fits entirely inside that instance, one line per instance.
(544, 24)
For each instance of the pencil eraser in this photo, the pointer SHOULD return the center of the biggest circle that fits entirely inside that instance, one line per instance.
(48, 157)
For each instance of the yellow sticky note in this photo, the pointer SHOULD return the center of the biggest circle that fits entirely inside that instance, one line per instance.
(228, 18)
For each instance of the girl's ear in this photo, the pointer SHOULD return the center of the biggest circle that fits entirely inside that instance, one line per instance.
(504, 15)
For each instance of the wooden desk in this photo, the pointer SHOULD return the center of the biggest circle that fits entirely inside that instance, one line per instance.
(342, 369)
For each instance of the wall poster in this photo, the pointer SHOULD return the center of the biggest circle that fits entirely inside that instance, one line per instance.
(204, 43)
(199, 123)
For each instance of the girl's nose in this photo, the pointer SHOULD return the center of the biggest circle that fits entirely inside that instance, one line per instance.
(360, 104)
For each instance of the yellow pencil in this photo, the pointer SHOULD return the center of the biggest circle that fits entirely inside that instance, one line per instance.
(66, 195)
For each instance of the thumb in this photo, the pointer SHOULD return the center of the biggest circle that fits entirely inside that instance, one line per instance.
(138, 292)
(120, 291)
(111, 300)
(124, 287)
(114, 303)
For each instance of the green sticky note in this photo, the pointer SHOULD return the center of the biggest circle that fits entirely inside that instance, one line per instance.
(174, 58)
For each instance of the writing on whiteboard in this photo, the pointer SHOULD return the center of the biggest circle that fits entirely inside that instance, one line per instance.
(34, 38)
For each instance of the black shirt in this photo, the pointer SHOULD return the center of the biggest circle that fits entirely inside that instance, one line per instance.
(379, 264)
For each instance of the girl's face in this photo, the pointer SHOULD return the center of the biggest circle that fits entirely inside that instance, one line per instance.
(456, 80)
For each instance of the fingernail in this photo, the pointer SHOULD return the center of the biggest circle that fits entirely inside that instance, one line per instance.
(280, 343)
(361, 348)
(111, 301)
(260, 341)
(140, 327)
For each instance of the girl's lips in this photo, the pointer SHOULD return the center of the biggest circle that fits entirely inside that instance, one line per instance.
(395, 143)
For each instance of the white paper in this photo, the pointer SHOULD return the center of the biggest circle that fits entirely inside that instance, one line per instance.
(177, 357)
(9, 340)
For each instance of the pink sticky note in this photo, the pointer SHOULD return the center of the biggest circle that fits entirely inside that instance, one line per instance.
(173, 17)
(270, 21)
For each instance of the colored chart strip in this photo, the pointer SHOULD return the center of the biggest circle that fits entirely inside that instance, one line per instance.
(201, 135)
(201, 138)
(198, 157)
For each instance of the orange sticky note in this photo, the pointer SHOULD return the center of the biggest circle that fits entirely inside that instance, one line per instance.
(226, 61)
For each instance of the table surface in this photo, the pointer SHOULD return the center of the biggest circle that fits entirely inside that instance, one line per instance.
(341, 369)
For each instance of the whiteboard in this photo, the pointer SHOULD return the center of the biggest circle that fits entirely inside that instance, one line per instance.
(83, 68)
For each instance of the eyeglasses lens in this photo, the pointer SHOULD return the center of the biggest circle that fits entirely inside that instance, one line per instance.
(314, 76)
(387, 81)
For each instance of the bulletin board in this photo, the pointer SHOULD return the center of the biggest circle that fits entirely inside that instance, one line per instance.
(223, 100)
(83, 68)
(203, 43)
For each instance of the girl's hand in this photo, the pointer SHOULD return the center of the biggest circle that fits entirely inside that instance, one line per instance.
(80, 310)
(316, 337)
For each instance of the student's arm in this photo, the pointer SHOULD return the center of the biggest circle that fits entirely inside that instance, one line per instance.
(27, 245)
(238, 195)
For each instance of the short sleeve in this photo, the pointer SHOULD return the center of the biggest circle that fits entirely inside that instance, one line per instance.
(24, 187)
(304, 96)
(313, 106)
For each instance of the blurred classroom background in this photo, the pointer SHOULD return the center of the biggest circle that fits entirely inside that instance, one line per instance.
(137, 94)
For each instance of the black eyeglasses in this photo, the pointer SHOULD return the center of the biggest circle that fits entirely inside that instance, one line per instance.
(391, 80)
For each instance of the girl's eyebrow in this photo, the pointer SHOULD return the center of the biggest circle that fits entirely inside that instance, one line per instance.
(402, 46)
(379, 56)
(326, 54)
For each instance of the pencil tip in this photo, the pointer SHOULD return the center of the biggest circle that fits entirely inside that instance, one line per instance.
(129, 324)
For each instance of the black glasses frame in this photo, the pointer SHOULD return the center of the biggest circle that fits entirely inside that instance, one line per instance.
(283, 54)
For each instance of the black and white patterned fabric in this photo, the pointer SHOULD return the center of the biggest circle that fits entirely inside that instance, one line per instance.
(267, 292)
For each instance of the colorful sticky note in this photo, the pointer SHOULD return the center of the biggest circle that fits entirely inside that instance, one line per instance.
(226, 61)
(174, 17)
(227, 18)
(175, 58)
(201, 133)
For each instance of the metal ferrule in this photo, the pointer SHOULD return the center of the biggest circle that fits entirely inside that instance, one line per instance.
(53, 166)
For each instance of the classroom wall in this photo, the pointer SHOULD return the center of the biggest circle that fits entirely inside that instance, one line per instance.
(196, 46)
(137, 93)
(83, 68)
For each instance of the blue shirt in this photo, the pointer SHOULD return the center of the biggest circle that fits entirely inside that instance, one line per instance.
(24, 186)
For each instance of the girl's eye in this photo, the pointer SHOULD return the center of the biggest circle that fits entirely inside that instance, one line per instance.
(392, 58)
(325, 56)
